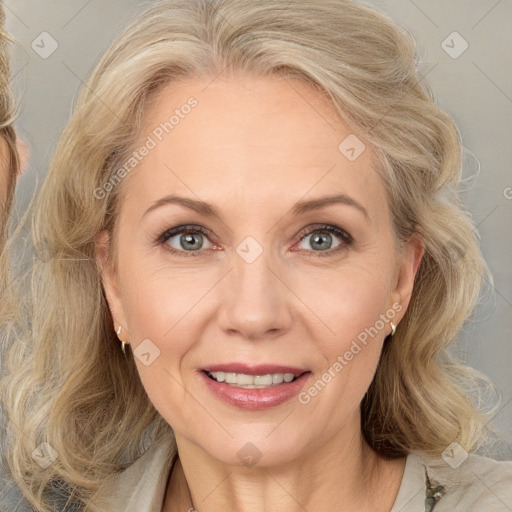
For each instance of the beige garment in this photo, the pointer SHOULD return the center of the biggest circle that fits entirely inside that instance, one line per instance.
(478, 484)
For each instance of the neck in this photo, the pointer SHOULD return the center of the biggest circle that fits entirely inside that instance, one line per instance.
(343, 475)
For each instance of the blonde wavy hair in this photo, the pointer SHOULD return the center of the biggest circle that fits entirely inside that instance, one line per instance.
(67, 382)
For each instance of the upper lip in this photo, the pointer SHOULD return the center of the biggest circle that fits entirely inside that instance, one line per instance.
(254, 369)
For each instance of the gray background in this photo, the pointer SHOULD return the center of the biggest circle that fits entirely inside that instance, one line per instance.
(475, 88)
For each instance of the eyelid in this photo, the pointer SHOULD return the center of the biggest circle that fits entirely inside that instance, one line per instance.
(183, 228)
(313, 228)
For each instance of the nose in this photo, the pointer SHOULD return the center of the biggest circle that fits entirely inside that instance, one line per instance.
(256, 304)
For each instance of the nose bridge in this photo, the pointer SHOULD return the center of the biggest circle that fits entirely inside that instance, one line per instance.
(254, 301)
(251, 270)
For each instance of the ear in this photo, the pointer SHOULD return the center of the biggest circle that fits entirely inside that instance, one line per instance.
(411, 257)
(109, 280)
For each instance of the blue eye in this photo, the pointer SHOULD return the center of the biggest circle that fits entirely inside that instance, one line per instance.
(191, 239)
(322, 238)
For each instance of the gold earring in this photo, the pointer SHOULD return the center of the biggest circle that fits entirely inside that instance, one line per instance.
(393, 328)
(123, 344)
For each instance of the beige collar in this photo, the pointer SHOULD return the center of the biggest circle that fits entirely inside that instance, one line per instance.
(142, 486)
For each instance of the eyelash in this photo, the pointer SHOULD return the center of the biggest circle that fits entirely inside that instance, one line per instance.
(190, 229)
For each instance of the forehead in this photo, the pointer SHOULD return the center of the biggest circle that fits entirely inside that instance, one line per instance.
(251, 138)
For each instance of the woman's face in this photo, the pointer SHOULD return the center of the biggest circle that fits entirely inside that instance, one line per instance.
(250, 285)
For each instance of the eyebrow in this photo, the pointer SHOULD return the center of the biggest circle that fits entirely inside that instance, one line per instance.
(299, 208)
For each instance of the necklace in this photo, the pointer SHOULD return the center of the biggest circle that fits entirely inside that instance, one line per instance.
(433, 493)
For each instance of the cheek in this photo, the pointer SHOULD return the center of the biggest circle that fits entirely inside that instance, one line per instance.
(156, 305)
(165, 305)
(161, 308)
(347, 300)
(351, 303)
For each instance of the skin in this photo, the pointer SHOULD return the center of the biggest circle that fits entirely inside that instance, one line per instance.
(4, 170)
(253, 147)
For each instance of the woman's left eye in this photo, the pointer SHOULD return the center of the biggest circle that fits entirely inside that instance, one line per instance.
(322, 238)
(188, 240)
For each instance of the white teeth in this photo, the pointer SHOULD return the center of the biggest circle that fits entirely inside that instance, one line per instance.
(230, 378)
(277, 378)
(262, 380)
(242, 380)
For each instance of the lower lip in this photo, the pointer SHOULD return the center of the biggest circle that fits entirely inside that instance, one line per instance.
(255, 398)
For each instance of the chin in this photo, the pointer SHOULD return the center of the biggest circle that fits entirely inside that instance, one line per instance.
(255, 449)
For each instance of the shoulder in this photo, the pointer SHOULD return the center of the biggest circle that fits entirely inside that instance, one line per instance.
(468, 482)
(141, 486)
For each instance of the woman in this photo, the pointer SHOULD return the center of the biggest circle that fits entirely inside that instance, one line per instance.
(261, 204)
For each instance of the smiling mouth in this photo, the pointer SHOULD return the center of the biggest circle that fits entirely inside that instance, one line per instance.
(243, 380)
